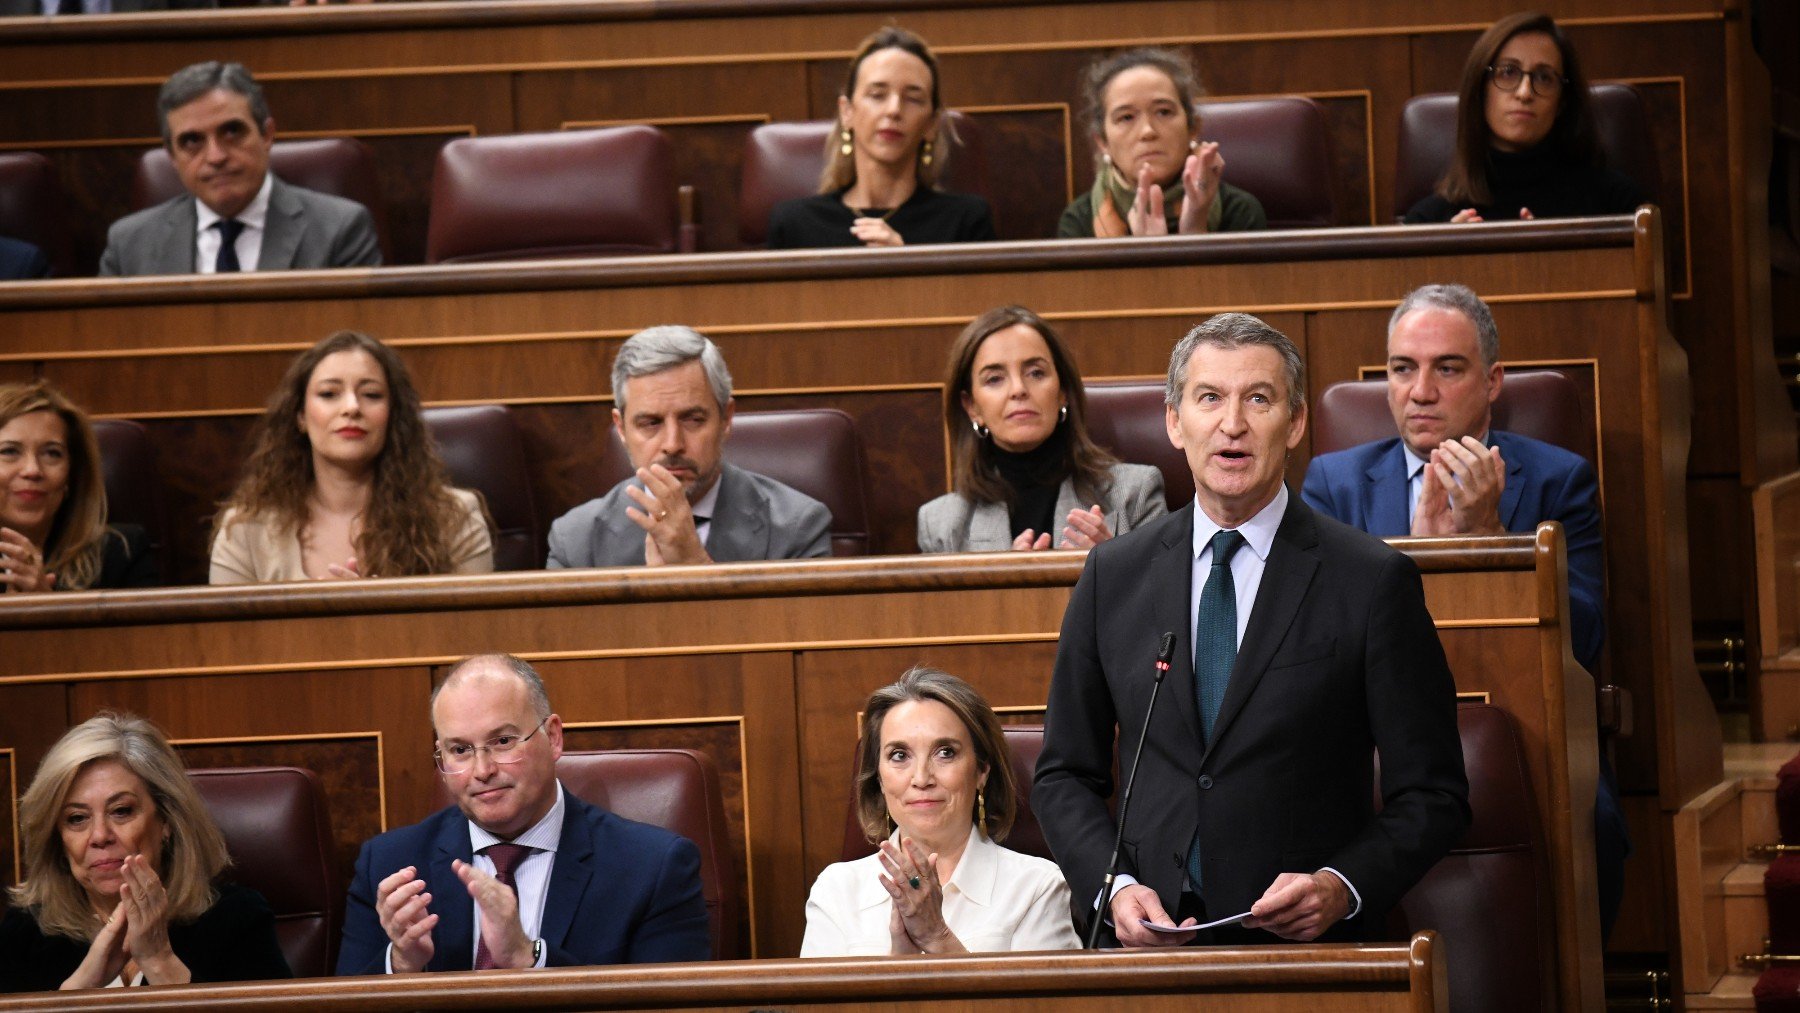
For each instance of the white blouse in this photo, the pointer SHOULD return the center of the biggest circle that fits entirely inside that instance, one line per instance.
(997, 900)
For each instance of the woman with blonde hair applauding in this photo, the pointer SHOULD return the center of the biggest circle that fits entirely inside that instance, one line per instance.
(122, 867)
(343, 481)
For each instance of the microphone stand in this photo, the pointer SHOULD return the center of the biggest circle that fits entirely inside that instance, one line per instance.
(1163, 654)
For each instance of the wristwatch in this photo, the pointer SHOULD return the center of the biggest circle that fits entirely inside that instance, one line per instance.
(537, 952)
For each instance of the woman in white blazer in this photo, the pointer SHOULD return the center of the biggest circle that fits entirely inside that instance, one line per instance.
(935, 788)
(1026, 475)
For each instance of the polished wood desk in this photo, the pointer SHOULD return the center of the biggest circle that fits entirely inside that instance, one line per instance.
(764, 666)
(867, 330)
(1402, 978)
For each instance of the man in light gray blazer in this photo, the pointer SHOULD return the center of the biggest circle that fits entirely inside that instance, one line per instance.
(672, 406)
(236, 215)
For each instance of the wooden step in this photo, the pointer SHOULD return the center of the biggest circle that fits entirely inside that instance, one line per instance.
(1746, 911)
(1732, 992)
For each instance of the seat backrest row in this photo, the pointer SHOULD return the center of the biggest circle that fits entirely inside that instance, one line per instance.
(612, 191)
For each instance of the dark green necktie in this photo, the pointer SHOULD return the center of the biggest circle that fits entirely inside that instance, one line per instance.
(1215, 652)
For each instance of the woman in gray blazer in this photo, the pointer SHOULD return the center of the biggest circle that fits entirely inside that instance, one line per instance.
(1026, 473)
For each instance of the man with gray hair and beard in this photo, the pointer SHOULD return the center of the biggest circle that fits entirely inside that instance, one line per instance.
(672, 406)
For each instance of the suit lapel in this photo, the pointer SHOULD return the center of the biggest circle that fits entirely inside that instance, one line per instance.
(989, 524)
(1287, 575)
(570, 872)
(281, 229)
(176, 238)
(1388, 494)
(1172, 578)
(454, 936)
(740, 524)
(1515, 478)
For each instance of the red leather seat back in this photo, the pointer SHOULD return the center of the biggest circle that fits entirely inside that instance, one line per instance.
(128, 461)
(1023, 744)
(572, 193)
(1540, 403)
(1280, 151)
(675, 789)
(278, 830)
(783, 161)
(481, 448)
(814, 450)
(1489, 898)
(340, 166)
(1428, 140)
(34, 208)
(1125, 417)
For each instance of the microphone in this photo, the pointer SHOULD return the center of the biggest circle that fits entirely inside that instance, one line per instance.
(1164, 652)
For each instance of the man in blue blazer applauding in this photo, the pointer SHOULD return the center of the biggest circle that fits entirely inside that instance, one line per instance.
(1449, 472)
(520, 873)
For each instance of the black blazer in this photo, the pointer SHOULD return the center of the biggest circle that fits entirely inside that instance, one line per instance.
(1339, 658)
(233, 941)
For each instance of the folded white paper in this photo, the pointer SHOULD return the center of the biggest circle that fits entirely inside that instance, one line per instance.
(1176, 930)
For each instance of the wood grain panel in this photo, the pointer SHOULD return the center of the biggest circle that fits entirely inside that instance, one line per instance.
(11, 854)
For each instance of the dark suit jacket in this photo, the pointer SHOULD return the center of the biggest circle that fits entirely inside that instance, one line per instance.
(1365, 487)
(304, 229)
(754, 518)
(620, 893)
(233, 941)
(22, 261)
(1339, 658)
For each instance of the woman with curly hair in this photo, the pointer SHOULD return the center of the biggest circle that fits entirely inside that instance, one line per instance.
(343, 481)
(53, 530)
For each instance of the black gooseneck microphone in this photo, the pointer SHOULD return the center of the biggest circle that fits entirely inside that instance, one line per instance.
(1163, 653)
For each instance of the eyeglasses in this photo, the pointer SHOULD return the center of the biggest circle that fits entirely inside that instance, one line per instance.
(1545, 83)
(458, 757)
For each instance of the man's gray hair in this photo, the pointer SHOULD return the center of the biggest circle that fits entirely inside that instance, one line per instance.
(191, 82)
(656, 349)
(534, 683)
(1462, 299)
(1237, 330)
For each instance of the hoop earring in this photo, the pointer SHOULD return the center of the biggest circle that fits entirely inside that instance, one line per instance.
(981, 431)
(845, 147)
(1063, 415)
(925, 152)
(890, 824)
(981, 812)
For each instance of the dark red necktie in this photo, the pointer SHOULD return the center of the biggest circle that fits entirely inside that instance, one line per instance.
(506, 859)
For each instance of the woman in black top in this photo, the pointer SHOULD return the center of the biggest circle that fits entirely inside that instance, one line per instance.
(121, 866)
(882, 162)
(53, 530)
(1525, 144)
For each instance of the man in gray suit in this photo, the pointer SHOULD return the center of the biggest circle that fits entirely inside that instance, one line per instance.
(672, 406)
(236, 215)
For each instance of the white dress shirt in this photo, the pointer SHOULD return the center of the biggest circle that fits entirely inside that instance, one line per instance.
(1247, 566)
(531, 878)
(249, 241)
(997, 900)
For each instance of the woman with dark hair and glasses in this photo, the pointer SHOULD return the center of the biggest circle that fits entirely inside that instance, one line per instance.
(1525, 142)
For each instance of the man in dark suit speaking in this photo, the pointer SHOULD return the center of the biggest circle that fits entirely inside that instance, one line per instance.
(519, 873)
(236, 214)
(1302, 647)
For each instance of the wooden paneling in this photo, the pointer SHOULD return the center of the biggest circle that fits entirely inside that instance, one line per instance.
(1406, 977)
(867, 330)
(763, 665)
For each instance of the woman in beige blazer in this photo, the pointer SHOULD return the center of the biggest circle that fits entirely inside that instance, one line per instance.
(1026, 473)
(343, 482)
